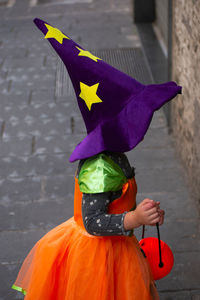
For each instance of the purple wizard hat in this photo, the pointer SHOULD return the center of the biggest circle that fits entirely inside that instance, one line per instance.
(116, 108)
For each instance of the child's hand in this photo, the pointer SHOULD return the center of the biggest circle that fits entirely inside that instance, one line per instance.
(147, 212)
(161, 213)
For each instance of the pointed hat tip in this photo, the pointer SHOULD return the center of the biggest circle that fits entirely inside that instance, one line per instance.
(40, 25)
(37, 21)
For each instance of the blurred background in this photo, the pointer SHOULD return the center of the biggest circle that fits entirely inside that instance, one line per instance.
(40, 124)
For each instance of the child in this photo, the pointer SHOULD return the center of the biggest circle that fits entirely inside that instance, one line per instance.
(95, 255)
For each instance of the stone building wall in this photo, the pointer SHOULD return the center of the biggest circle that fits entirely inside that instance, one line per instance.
(185, 109)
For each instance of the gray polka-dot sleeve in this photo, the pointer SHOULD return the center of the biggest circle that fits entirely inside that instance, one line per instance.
(96, 219)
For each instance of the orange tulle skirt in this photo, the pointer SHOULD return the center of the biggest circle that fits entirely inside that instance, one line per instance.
(70, 264)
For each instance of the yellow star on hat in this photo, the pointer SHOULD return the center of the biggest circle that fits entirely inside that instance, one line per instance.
(55, 33)
(89, 94)
(87, 54)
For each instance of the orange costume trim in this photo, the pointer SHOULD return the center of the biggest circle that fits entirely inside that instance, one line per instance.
(70, 264)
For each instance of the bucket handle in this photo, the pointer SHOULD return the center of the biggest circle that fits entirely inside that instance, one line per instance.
(159, 244)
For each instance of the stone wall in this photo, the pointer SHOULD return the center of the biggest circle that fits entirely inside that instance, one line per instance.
(185, 109)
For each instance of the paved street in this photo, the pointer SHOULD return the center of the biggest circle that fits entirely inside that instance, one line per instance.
(40, 124)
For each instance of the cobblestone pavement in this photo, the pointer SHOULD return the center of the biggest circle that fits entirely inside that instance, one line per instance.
(40, 126)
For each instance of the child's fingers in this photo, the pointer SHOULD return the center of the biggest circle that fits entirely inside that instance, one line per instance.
(147, 201)
(161, 220)
(155, 220)
(157, 217)
(154, 216)
(157, 204)
(161, 212)
(148, 205)
(151, 211)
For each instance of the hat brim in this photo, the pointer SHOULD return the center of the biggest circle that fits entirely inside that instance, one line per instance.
(127, 129)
